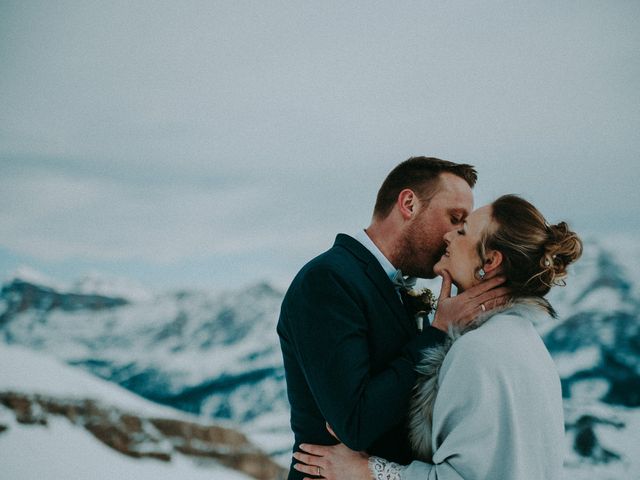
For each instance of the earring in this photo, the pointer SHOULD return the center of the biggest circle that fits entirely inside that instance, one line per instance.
(481, 273)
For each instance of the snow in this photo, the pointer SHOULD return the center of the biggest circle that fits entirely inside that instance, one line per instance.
(190, 329)
(62, 451)
(625, 248)
(26, 371)
(589, 389)
(31, 275)
(267, 432)
(111, 286)
(604, 298)
(583, 359)
(93, 283)
(623, 441)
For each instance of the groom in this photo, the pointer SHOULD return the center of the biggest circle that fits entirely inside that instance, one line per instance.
(348, 343)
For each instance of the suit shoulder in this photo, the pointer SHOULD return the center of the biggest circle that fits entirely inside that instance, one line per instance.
(335, 260)
(334, 274)
(336, 270)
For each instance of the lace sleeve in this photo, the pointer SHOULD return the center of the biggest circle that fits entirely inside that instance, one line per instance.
(382, 469)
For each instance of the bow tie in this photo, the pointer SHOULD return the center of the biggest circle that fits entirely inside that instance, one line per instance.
(399, 280)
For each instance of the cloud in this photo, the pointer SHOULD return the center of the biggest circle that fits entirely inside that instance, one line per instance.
(169, 134)
(56, 216)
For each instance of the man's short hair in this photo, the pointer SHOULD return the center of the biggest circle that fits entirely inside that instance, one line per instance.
(420, 174)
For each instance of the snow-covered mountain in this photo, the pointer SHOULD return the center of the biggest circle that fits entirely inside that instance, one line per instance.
(217, 354)
(214, 355)
(59, 422)
(215, 343)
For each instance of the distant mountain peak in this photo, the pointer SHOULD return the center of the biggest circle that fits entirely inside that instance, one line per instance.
(111, 286)
(92, 283)
(263, 288)
(30, 275)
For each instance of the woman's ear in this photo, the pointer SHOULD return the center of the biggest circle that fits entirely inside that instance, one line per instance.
(493, 260)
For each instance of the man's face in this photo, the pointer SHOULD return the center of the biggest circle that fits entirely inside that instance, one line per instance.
(423, 244)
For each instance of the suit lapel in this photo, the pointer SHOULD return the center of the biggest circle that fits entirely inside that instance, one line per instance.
(380, 279)
(388, 292)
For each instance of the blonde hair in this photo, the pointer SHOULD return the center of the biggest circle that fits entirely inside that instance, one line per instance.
(535, 254)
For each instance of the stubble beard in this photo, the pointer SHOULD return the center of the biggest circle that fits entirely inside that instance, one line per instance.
(418, 251)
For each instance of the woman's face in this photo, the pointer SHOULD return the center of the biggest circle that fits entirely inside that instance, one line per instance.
(461, 259)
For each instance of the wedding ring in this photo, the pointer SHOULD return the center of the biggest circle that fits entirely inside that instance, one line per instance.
(318, 471)
(483, 307)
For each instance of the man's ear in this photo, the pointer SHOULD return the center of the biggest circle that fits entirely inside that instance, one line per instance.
(406, 203)
(493, 259)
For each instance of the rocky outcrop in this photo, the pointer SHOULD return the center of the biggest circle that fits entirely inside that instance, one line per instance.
(151, 437)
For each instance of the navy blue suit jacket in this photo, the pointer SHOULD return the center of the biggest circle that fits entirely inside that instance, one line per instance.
(350, 349)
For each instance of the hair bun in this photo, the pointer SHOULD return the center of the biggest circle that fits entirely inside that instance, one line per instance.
(562, 248)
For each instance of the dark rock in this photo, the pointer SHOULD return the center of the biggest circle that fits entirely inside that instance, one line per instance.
(26, 410)
(586, 442)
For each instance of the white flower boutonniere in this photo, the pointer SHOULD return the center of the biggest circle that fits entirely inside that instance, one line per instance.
(420, 302)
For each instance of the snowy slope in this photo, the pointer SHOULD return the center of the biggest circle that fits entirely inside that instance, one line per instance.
(27, 371)
(63, 449)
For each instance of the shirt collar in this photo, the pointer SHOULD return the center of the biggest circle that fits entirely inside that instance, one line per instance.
(365, 240)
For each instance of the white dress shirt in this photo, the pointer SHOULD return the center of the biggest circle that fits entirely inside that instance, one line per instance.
(365, 240)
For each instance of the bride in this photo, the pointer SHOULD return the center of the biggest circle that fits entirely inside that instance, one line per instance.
(489, 402)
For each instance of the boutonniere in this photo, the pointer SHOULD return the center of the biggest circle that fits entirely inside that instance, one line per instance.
(420, 302)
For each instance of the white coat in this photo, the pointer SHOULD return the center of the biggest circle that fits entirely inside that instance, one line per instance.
(496, 407)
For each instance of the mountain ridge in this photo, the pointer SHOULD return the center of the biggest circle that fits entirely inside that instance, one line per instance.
(225, 360)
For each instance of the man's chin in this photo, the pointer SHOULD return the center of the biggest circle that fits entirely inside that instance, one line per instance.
(427, 274)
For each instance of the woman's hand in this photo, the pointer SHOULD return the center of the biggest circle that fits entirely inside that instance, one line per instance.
(337, 462)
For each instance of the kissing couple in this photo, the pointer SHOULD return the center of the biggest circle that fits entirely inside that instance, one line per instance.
(378, 391)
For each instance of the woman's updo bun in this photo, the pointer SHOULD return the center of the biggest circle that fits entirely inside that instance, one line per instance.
(535, 255)
(562, 248)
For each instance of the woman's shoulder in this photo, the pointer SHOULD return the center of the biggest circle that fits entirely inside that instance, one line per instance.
(505, 335)
(516, 320)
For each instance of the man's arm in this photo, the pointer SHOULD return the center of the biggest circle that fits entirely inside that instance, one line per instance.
(332, 347)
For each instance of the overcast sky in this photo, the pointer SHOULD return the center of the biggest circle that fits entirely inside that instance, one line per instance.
(213, 143)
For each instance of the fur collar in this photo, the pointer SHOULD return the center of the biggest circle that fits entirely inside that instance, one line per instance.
(426, 389)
